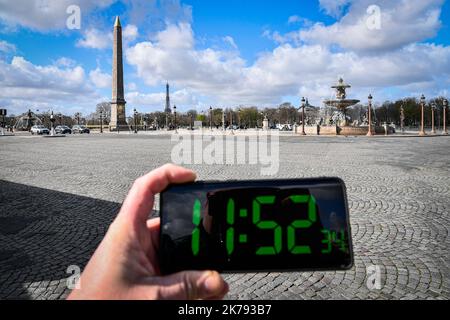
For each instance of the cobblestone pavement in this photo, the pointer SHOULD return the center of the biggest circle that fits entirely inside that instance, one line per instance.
(58, 196)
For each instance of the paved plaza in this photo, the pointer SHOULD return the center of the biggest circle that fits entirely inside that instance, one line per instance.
(58, 197)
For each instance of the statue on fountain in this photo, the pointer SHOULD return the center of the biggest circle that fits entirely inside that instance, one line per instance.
(341, 102)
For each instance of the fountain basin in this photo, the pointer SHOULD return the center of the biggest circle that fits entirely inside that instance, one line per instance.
(341, 104)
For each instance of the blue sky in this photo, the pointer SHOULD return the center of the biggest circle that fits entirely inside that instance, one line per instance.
(221, 53)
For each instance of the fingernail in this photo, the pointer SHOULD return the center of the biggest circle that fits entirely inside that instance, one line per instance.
(212, 283)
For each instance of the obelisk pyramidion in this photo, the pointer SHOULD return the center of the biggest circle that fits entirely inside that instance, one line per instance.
(118, 101)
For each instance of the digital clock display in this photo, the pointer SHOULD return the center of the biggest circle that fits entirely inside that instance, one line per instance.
(262, 225)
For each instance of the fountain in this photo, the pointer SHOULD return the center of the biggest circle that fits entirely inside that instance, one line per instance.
(339, 118)
(341, 103)
(25, 122)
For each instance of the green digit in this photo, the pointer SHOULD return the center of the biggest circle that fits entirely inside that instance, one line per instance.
(326, 241)
(230, 230)
(196, 218)
(301, 224)
(268, 250)
(343, 244)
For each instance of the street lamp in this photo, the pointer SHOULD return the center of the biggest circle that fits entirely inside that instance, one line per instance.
(445, 103)
(433, 108)
(210, 118)
(223, 120)
(101, 121)
(239, 118)
(303, 117)
(369, 134)
(231, 118)
(175, 118)
(402, 118)
(422, 120)
(52, 120)
(135, 121)
(3, 113)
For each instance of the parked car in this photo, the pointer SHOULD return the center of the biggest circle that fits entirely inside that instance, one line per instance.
(80, 129)
(285, 127)
(39, 129)
(63, 130)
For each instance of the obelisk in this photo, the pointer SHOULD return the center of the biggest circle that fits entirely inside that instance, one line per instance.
(167, 109)
(118, 101)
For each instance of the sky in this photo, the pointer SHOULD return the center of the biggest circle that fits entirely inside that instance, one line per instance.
(221, 53)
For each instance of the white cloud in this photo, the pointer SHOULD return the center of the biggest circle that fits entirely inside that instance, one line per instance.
(183, 99)
(278, 37)
(294, 19)
(402, 23)
(7, 47)
(334, 7)
(176, 37)
(65, 62)
(132, 86)
(44, 15)
(95, 39)
(25, 84)
(173, 57)
(130, 33)
(151, 12)
(304, 63)
(288, 70)
(230, 41)
(100, 79)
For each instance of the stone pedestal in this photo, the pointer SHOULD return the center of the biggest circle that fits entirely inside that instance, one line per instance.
(266, 124)
(118, 118)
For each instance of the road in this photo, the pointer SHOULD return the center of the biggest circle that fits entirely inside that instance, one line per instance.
(58, 197)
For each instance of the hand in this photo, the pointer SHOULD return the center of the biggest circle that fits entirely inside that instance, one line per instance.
(125, 265)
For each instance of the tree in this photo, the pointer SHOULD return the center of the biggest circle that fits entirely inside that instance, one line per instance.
(248, 117)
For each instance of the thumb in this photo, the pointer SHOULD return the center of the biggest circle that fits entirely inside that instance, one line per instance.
(192, 285)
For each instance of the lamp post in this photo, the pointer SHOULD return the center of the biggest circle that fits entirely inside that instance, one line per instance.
(422, 120)
(231, 121)
(303, 117)
(223, 120)
(210, 118)
(433, 108)
(239, 118)
(135, 121)
(402, 118)
(101, 121)
(52, 120)
(445, 105)
(369, 134)
(175, 118)
(3, 113)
